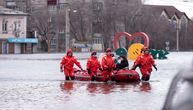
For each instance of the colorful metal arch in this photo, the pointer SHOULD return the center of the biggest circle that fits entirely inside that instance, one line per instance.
(143, 35)
(131, 37)
(116, 38)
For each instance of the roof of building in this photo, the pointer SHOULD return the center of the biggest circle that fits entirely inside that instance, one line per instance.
(7, 11)
(170, 10)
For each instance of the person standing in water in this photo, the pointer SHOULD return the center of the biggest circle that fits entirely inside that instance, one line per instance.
(67, 64)
(93, 65)
(108, 65)
(145, 62)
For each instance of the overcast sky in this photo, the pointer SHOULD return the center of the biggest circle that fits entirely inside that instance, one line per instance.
(186, 7)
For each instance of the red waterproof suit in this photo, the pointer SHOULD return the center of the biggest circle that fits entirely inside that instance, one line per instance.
(67, 64)
(145, 63)
(108, 65)
(93, 65)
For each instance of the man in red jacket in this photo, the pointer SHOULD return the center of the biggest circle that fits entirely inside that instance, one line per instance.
(93, 65)
(145, 62)
(67, 64)
(108, 65)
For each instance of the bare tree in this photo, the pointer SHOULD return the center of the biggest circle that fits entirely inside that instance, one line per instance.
(128, 15)
(81, 20)
(155, 26)
(45, 25)
(118, 16)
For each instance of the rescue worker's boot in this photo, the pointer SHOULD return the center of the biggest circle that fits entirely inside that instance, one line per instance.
(67, 78)
(106, 79)
(145, 77)
(112, 78)
(72, 77)
(92, 78)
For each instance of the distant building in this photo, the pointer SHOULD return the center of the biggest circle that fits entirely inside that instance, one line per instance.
(178, 21)
(13, 32)
(173, 15)
(36, 5)
(1, 2)
(25, 5)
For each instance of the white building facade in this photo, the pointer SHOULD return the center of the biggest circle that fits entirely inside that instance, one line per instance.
(13, 32)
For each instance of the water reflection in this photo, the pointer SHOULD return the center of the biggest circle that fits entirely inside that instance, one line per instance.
(126, 86)
(145, 86)
(67, 86)
(104, 88)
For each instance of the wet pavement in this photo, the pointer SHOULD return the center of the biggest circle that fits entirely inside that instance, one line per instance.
(34, 82)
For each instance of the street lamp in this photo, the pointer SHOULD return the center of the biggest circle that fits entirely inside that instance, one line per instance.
(67, 26)
(67, 22)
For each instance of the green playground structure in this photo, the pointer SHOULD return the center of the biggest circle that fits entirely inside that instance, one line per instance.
(159, 54)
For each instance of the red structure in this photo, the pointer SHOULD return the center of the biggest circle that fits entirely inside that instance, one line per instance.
(120, 76)
(130, 37)
(116, 38)
(51, 2)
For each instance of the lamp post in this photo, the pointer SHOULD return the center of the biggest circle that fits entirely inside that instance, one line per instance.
(67, 26)
(67, 22)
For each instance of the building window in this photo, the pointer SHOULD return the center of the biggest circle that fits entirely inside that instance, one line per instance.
(10, 3)
(174, 22)
(16, 26)
(4, 26)
(51, 2)
(183, 21)
(52, 8)
(97, 6)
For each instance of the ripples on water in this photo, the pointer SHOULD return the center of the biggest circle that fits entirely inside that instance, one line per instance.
(43, 87)
(71, 95)
(105, 88)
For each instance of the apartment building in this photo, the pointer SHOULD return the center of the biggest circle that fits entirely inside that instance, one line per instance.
(13, 32)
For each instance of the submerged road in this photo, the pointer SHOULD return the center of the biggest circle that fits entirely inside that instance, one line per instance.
(34, 82)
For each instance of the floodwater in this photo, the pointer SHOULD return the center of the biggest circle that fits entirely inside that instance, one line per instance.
(34, 82)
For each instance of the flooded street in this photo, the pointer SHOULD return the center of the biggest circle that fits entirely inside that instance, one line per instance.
(34, 82)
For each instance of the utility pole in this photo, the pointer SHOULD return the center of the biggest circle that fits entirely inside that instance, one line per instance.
(49, 35)
(67, 26)
(57, 26)
(177, 34)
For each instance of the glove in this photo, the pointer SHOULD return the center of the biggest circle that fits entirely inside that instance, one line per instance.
(109, 69)
(89, 72)
(81, 68)
(133, 68)
(61, 70)
(100, 69)
(155, 67)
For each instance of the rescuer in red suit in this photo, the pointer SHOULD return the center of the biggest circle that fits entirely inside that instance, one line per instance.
(108, 65)
(145, 62)
(93, 65)
(67, 64)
